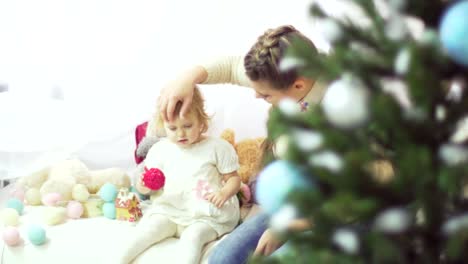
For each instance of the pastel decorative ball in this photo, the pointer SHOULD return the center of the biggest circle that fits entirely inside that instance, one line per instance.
(32, 196)
(37, 235)
(11, 236)
(108, 192)
(80, 193)
(74, 210)
(54, 215)
(108, 209)
(276, 181)
(9, 217)
(154, 178)
(18, 193)
(453, 31)
(51, 199)
(15, 204)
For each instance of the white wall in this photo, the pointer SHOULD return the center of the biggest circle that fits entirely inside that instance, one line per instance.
(109, 58)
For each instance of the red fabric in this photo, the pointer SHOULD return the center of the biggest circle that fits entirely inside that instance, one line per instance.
(140, 133)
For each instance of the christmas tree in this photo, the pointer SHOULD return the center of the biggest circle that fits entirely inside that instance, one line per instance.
(381, 165)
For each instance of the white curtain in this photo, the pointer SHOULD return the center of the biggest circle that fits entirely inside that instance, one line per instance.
(105, 61)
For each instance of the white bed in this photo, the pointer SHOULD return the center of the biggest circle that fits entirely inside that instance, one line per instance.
(86, 240)
(112, 145)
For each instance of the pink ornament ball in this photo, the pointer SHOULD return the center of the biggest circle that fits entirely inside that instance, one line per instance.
(11, 236)
(18, 193)
(74, 209)
(51, 199)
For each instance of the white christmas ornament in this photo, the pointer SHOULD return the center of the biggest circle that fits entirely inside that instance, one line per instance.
(461, 133)
(330, 30)
(346, 103)
(398, 89)
(396, 29)
(289, 107)
(327, 159)
(347, 240)
(455, 224)
(453, 154)
(289, 63)
(441, 113)
(456, 91)
(280, 149)
(307, 140)
(280, 221)
(402, 61)
(395, 220)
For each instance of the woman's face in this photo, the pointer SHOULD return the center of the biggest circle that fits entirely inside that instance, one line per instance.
(264, 90)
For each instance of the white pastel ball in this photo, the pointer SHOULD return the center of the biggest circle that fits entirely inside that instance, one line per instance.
(9, 217)
(54, 215)
(32, 196)
(80, 193)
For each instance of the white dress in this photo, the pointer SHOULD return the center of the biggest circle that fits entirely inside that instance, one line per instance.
(190, 173)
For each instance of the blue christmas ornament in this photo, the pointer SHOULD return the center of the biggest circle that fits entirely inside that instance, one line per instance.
(276, 181)
(454, 32)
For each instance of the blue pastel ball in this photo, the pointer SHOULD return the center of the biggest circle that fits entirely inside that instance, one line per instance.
(108, 192)
(108, 210)
(276, 181)
(15, 204)
(36, 235)
(454, 32)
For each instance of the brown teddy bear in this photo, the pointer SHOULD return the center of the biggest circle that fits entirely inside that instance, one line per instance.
(249, 153)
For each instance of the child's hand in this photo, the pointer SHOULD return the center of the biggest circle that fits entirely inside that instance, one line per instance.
(217, 198)
(141, 188)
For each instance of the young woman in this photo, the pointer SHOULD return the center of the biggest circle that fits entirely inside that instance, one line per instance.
(260, 70)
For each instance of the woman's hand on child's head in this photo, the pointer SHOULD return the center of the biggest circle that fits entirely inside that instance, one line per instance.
(176, 91)
(217, 198)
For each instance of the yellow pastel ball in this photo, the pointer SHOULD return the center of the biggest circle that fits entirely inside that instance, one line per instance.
(54, 215)
(33, 196)
(9, 217)
(80, 193)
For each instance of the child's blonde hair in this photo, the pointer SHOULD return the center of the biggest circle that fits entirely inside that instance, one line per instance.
(197, 108)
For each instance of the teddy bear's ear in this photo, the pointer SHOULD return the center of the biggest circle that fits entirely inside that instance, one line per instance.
(229, 136)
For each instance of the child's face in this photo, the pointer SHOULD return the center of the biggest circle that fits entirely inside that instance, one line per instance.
(184, 131)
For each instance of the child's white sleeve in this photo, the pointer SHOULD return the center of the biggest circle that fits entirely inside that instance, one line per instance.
(226, 157)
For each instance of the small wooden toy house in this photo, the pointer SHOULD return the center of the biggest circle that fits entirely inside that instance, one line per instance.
(127, 206)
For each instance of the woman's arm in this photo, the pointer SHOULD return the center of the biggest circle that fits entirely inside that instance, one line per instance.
(220, 70)
(230, 188)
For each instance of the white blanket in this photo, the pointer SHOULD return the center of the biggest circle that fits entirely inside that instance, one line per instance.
(86, 240)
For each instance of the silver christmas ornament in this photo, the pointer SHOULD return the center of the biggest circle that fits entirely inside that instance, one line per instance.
(346, 103)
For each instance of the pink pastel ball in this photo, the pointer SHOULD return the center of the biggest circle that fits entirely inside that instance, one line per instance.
(51, 199)
(74, 209)
(18, 193)
(11, 236)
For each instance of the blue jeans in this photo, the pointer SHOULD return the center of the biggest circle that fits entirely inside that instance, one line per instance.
(236, 247)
